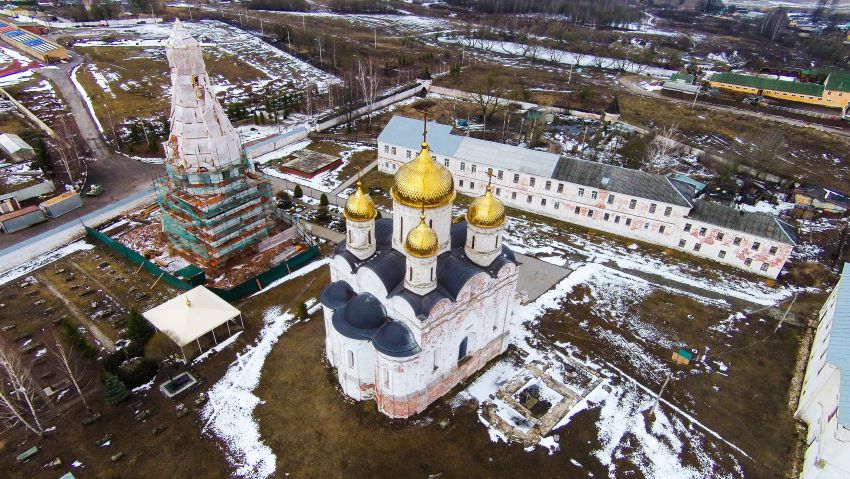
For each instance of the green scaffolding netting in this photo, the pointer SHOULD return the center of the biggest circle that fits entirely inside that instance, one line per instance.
(242, 290)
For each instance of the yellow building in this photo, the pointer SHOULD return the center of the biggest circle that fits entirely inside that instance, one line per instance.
(834, 92)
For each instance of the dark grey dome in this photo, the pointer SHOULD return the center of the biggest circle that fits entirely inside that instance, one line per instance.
(337, 295)
(396, 340)
(365, 313)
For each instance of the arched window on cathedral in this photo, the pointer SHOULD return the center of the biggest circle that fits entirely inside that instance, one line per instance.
(349, 236)
(410, 274)
(386, 377)
(351, 359)
(432, 274)
(461, 350)
(498, 237)
(473, 241)
(401, 229)
(369, 233)
(430, 223)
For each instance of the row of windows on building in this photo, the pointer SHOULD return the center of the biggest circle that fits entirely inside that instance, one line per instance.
(590, 213)
(547, 186)
(735, 242)
(722, 254)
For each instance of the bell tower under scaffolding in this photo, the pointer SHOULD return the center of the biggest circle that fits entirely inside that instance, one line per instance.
(213, 204)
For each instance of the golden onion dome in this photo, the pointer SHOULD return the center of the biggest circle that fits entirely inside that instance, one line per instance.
(486, 211)
(359, 206)
(423, 182)
(422, 241)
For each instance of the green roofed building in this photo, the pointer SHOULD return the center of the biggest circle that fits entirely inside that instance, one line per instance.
(682, 77)
(834, 92)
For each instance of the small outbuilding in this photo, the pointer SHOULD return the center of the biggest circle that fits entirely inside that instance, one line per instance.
(191, 315)
(21, 219)
(9, 203)
(61, 204)
(821, 198)
(17, 149)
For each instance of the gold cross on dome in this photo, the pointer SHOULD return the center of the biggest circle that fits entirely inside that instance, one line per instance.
(425, 128)
(489, 176)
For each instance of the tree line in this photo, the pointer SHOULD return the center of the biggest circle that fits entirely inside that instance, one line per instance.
(596, 12)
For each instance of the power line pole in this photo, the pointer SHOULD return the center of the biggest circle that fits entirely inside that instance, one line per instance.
(658, 397)
(782, 319)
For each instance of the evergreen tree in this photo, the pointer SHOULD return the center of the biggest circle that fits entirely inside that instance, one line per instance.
(322, 214)
(301, 311)
(323, 200)
(139, 330)
(297, 192)
(114, 391)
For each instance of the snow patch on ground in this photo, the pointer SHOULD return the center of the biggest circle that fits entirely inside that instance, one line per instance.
(46, 258)
(218, 347)
(86, 98)
(229, 411)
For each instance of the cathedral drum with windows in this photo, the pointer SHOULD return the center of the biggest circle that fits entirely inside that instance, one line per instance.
(417, 303)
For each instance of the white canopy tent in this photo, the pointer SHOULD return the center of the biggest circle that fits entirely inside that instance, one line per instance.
(191, 315)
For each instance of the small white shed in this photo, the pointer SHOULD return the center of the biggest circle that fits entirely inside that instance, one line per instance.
(16, 148)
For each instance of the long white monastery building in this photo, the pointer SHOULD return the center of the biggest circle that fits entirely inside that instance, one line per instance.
(825, 399)
(622, 201)
(417, 303)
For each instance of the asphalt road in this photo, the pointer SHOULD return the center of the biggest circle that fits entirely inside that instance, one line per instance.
(120, 176)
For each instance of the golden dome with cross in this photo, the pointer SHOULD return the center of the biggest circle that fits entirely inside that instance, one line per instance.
(359, 206)
(423, 182)
(422, 241)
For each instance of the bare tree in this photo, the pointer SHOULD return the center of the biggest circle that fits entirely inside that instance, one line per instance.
(533, 50)
(489, 96)
(20, 403)
(578, 56)
(774, 23)
(369, 79)
(660, 147)
(555, 55)
(69, 368)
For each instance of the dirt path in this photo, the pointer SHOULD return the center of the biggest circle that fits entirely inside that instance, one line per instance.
(101, 338)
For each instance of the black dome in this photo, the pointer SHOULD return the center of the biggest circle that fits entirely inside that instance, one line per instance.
(396, 340)
(365, 313)
(337, 295)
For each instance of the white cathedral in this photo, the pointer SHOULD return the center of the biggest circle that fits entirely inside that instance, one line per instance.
(417, 303)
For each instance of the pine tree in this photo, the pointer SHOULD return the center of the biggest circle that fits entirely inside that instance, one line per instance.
(323, 200)
(138, 329)
(114, 390)
(297, 192)
(301, 311)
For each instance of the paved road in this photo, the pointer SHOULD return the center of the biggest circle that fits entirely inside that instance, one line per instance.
(629, 83)
(120, 176)
(71, 228)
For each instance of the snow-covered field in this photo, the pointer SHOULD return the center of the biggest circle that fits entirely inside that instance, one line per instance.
(387, 25)
(656, 446)
(559, 56)
(253, 50)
